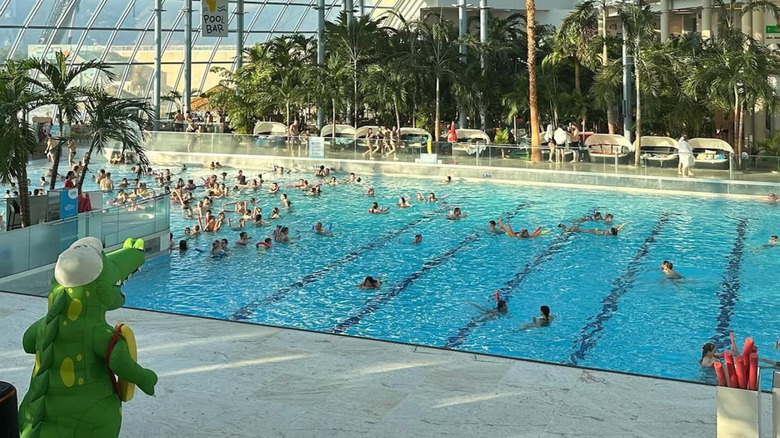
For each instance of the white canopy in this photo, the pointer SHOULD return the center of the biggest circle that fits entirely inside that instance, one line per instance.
(649, 140)
(269, 128)
(362, 132)
(710, 143)
(343, 131)
(415, 131)
(471, 134)
(608, 140)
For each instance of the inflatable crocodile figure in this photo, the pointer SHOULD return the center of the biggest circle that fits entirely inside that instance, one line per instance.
(73, 392)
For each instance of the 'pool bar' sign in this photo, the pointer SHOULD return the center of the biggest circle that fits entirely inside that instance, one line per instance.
(214, 18)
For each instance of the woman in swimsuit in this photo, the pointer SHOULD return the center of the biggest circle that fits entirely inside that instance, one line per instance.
(375, 209)
(402, 203)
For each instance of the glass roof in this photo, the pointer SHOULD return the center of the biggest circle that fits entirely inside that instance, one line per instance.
(121, 33)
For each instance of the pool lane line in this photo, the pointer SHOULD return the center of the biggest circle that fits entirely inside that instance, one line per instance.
(592, 331)
(384, 297)
(246, 311)
(507, 290)
(728, 293)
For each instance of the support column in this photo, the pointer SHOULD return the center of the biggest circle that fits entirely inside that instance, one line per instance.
(483, 28)
(239, 33)
(349, 8)
(187, 54)
(462, 30)
(320, 55)
(627, 107)
(759, 118)
(706, 19)
(362, 7)
(664, 20)
(747, 29)
(157, 62)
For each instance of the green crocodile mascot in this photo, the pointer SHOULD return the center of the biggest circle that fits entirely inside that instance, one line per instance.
(73, 390)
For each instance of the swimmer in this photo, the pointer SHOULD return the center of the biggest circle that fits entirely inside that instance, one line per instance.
(275, 214)
(321, 171)
(668, 269)
(420, 197)
(402, 203)
(376, 209)
(576, 229)
(264, 244)
(370, 283)
(772, 198)
(243, 238)
(321, 231)
(432, 197)
(370, 192)
(447, 180)
(417, 239)
(216, 249)
(239, 227)
(456, 214)
(771, 244)
(333, 181)
(500, 309)
(595, 216)
(273, 189)
(521, 234)
(709, 355)
(258, 220)
(182, 245)
(350, 178)
(543, 320)
(493, 229)
(608, 218)
(283, 235)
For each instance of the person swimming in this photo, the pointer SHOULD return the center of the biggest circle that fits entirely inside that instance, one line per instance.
(772, 198)
(417, 239)
(402, 203)
(456, 214)
(447, 180)
(709, 355)
(370, 192)
(273, 189)
(501, 307)
(543, 320)
(493, 228)
(264, 244)
(432, 197)
(520, 234)
(596, 232)
(771, 244)
(370, 283)
(376, 209)
(243, 238)
(668, 269)
(318, 229)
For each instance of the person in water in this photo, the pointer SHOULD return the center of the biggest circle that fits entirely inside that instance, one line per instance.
(709, 355)
(500, 309)
(668, 269)
(771, 244)
(370, 283)
(493, 228)
(417, 239)
(543, 320)
(447, 180)
(402, 203)
(772, 198)
(456, 214)
(576, 229)
(318, 229)
(376, 209)
(264, 244)
(521, 234)
(243, 238)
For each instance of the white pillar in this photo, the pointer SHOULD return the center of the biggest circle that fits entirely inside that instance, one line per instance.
(706, 19)
(664, 20)
(747, 29)
(759, 119)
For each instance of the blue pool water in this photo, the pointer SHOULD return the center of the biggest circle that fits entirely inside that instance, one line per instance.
(613, 308)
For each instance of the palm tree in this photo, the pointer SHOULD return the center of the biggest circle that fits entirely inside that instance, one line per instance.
(356, 40)
(114, 119)
(173, 97)
(516, 101)
(328, 84)
(438, 54)
(536, 153)
(388, 84)
(17, 138)
(58, 88)
(574, 41)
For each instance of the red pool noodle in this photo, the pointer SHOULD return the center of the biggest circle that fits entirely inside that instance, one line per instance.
(747, 349)
(498, 296)
(730, 370)
(753, 374)
(741, 377)
(720, 373)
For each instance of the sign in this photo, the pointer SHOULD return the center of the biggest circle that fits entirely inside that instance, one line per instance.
(316, 147)
(773, 29)
(214, 18)
(429, 159)
(69, 203)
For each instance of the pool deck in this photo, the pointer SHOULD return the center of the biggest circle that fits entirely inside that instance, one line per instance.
(220, 378)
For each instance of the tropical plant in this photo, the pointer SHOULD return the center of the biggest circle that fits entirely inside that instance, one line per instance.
(173, 97)
(118, 120)
(536, 153)
(58, 87)
(17, 138)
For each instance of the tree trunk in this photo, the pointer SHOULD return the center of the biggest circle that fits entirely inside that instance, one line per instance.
(24, 197)
(397, 116)
(577, 82)
(437, 121)
(333, 134)
(638, 148)
(83, 175)
(536, 153)
(57, 155)
(741, 134)
(354, 97)
(604, 62)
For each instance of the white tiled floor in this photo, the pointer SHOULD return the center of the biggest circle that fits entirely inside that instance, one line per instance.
(238, 380)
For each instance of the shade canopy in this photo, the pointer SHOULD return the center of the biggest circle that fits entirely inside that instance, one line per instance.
(608, 140)
(710, 143)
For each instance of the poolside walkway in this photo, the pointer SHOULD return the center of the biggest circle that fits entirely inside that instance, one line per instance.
(221, 378)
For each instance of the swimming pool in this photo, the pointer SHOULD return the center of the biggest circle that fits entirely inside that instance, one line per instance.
(612, 306)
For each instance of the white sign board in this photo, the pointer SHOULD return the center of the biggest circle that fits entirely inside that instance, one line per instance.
(316, 147)
(429, 159)
(214, 18)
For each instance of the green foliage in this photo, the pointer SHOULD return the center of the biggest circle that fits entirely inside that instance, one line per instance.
(502, 136)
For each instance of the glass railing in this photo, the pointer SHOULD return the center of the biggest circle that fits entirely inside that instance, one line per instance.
(727, 167)
(39, 245)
